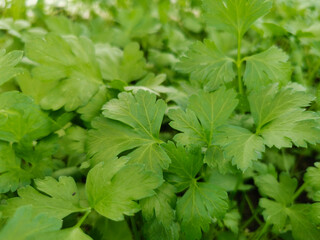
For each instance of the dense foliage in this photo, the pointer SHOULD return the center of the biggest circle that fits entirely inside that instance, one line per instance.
(160, 120)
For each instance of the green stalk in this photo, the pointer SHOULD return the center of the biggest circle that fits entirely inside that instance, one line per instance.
(299, 191)
(263, 231)
(83, 218)
(136, 234)
(239, 63)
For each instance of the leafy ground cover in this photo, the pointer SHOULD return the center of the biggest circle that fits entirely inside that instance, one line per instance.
(159, 120)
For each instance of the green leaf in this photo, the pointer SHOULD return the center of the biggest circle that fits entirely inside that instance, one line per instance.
(231, 220)
(57, 198)
(206, 63)
(68, 62)
(136, 124)
(126, 66)
(235, 16)
(239, 144)
(7, 65)
(93, 107)
(21, 119)
(160, 206)
(113, 187)
(302, 226)
(26, 225)
(274, 213)
(281, 117)
(74, 233)
(312, 176)
(185, 165)
(12, 176)
(270, 66)
(205, 113)
(197, 207)
(281, 191)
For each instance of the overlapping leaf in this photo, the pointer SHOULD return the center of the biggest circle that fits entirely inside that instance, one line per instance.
(126, 66)
(281, 120)
(8, 64)
(270, 66)
(204, 114)
(21, 119)
(26, 225)
(68, 62)
(235, 16)
(113, 187)
(206, 63)
(61, 199)
(280, 210)
(135, 125)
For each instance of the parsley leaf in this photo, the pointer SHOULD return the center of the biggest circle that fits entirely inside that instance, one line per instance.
(71, 64)
(112, 187)
(7, 65)
(197, 207)
(266, 67)
(207, 64)
(126, 66)
(204, 114)
(136, 121)
(240, 145)
(21, 119)
(235, 16)
(281, 118)
(61, 199)
(25, 224)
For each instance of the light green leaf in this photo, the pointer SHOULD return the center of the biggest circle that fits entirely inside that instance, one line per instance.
(235, 16)
(239, 144)
(281, 191)
(7, 65)
(61, 199)
(274, 213)
(206, 63)
(302, 225)
(21, 119)
(113, 187)
(185, 165)
(231, 220)
(26, 225)
(138, 119)
(126, 66)
(205, 113)
(197, 207)
(312, 176)
(270, 66)
(74, 233)
(71, 64)
(93, 108)
(160, 206)
(12, 176)
(281, 117)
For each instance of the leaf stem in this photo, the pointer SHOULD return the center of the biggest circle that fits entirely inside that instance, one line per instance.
(253, 211)
(82, 219)
(263, 231)
(239, 64)
(136, 234)
(299, 191)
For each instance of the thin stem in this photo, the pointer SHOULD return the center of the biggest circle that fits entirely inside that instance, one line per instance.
(253, 217)
(83, 218)
(299, 191)
(252, 209)
(136, 234)
(239, 63)
(263, 231)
